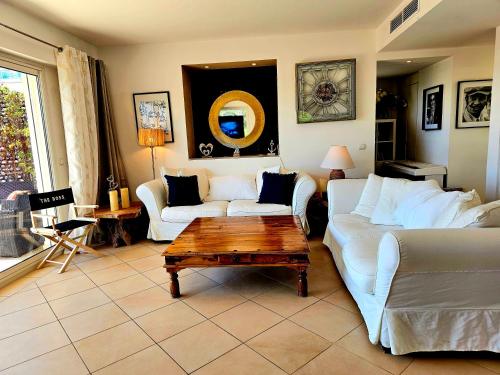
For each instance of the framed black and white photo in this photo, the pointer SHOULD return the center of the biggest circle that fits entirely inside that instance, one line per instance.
(432, 111)
(326, 91)
(473, 104)
(152, 111)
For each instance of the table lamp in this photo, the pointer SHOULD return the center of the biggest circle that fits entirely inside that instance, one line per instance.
(337, 159)
(152, 137)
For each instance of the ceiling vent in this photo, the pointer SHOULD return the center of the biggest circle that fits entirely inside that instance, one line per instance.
(404, 15)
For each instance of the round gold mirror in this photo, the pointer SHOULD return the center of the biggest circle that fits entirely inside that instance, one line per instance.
(236, 119)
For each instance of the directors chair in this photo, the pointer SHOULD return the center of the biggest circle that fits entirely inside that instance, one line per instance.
(59, 232)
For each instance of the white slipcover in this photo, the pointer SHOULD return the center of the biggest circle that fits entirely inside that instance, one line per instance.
(186, 214)
(252, 208)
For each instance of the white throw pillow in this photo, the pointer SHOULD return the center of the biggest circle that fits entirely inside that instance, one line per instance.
(483, 216)
(392, 193)
(258, 176)
(229, 188)
(461, 204)
(369, 196)
(201, 175)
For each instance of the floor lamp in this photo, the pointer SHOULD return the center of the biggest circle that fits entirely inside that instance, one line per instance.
(152, 137)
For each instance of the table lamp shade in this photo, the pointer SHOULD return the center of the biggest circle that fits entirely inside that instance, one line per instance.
(151, 137)
(338, 157)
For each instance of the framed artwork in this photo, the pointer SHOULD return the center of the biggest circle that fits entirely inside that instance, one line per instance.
(152, 110)
(326, 91)
(473, 104)
(432, 111)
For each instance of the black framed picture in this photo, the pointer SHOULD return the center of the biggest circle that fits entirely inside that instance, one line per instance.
(432, 109)
(473, 104)
(152, 111)
(326, 91)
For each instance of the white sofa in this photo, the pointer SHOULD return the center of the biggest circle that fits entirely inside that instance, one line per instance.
(166, 223)
(417, 289)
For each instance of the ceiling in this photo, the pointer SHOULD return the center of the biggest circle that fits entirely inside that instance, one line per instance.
(403, 67)
(121, 22)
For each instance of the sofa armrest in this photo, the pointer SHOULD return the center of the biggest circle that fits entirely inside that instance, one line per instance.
(154, 197)
(305, 186)
(343, 195)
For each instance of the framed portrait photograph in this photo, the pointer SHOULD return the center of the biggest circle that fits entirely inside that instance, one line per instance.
(152, 111)
(326, 91)
(432, 111)
(473, 104)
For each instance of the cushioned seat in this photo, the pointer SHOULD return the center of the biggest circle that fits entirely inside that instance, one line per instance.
(360, 259)
(252, 208)
(186, 214)
(69, 225)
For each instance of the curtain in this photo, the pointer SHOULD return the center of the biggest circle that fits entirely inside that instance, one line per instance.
(80, 127)
(109, 156)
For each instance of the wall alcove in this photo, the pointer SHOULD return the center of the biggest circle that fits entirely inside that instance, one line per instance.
(244, 95)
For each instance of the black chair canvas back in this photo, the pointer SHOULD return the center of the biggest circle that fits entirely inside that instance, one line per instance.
(56, 198)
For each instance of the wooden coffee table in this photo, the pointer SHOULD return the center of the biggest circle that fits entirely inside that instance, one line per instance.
(250, 241)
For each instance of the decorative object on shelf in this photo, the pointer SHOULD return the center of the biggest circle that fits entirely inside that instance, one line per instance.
(113, 194)
(473, 104)
(125, 197)
(236, 119)
(152, 111)
(337, 159)
(236, 153)
(206, 149)
(432, 109)
(388, 104)
(272, 148)
(151, 137)
(326, 91)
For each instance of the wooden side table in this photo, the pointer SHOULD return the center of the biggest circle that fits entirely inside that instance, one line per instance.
(123, 225)
(317, 214)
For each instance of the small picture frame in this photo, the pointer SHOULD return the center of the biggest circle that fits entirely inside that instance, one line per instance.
(473, 104)
(152, 110)
(432, 108)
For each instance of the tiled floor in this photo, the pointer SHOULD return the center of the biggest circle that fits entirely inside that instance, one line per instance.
(114, 315)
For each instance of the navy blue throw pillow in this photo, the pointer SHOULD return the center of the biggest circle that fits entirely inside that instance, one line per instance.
(183, 191)
(277, 188)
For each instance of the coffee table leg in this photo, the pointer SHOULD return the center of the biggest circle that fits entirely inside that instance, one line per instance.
(174, 284)
(302, 283)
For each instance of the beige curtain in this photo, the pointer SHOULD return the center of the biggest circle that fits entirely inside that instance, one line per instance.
(80, 128)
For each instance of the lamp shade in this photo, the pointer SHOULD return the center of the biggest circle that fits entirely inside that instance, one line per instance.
(151, 137)
(338, 157)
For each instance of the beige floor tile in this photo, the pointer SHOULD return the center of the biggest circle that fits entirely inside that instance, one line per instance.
(99, 263)
(241, 361)
(78, 258)
(150, 361)
(491, 364)
(343, 299)
(328, 321)
(111, 345)
(247, 320)
(79, 302)
(169, 320)
(158, 275)
(21, 300)
(25, 320)
(192, 284)
(338, 361)
(199, 345)
(222, 274)
(357, 342)
(146, 301)
(322, 283)
(288, 345)
(22, 284)
(284, 301)
(281, 274)
(42, 271)
(30, 344)
(147, 263)
(135, 252)
(54, 277)
(66, 287)
(251, 284)
(444, 366)
(125, 287)
(214, 301)
(113, 273)
(159, 247)
(64, 361)
(93, 321)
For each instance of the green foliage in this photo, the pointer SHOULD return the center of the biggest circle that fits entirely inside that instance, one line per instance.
(14, 134)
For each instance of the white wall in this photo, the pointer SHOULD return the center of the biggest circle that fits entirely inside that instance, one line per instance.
(155, 67)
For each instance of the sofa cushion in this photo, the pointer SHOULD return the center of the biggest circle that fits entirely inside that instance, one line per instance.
(360, 260)
(229, 188)
(200, 173)
(258, 177)
(369, 196)
(252, 208)
(277, 188)
(483, 216)
(186, 214)
(183, 190)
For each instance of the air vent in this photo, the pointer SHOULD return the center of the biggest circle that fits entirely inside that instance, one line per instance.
(404, 15)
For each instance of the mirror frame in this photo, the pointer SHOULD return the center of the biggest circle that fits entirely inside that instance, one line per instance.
(220, 102)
